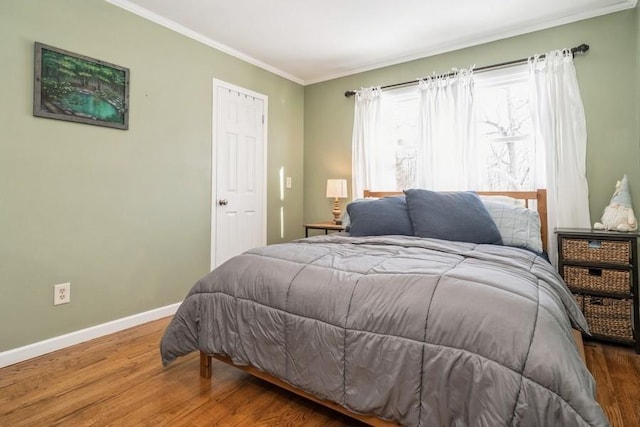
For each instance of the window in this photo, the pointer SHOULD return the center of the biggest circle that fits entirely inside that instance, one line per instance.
(399, 129)
(504, 131)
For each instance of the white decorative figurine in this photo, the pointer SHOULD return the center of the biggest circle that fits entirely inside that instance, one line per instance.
(618, 216)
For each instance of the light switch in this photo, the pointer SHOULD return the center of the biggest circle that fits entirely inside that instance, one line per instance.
(288, 184)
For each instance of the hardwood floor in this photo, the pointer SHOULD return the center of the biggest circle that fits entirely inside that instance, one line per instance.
(119, 380)
(617, 373)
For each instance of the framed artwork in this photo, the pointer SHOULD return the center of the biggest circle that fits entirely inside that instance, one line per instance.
(76, 88)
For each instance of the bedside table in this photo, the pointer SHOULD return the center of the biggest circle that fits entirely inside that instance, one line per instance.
(326, 226)
(601, 269)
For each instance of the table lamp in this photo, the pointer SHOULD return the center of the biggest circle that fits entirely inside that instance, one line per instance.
(336, 189)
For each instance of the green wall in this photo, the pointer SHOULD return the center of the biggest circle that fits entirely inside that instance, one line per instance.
(609, 82)
(122, 215)
(637, 51)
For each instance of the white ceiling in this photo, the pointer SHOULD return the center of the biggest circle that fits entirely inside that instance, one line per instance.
(311, 41)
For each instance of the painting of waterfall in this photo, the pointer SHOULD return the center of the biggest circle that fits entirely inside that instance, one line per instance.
(76, 88)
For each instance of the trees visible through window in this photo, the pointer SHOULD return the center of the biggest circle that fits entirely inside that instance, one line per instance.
(503, 128)
(399, 122)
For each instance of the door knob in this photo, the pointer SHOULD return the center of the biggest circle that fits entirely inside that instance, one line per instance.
(223, 202)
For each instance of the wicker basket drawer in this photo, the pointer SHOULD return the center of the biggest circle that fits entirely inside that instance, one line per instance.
(612, 251)
(598, 279)
(609, 317)
(580, 300)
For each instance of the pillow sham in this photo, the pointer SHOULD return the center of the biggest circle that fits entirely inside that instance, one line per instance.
(385, 216)
(518, 225)
(458, 216)
(502, 199)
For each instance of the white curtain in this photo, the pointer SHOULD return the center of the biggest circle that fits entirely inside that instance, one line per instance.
(366, 131)
(561, 141)
(447, 144)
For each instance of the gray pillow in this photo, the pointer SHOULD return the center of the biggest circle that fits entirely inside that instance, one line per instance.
(518, 225)
(380, 217)
(458, 216)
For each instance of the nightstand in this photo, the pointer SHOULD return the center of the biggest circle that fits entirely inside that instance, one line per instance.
(601, 269)
(326, 226)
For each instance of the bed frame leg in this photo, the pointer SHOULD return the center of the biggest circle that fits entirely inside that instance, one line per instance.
(205, 365)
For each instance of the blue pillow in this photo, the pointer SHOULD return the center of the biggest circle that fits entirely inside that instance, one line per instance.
(459, 216)
(380, 217)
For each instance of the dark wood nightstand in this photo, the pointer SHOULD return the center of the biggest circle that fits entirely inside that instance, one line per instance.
(326, 226)
(601, 269)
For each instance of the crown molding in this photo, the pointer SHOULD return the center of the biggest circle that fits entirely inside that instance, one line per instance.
(461, 43)
(470, 41)
(181, 29)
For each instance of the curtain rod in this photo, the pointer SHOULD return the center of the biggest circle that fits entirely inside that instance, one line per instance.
(583, 48)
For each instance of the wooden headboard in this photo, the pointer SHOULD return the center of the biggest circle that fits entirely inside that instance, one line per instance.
(539, 196)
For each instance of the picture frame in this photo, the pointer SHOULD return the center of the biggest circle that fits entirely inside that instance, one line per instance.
(76, 88)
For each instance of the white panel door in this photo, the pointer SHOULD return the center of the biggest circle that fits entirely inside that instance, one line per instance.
(238, 208)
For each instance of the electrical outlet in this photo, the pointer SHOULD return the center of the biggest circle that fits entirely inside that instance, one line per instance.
(61, 293)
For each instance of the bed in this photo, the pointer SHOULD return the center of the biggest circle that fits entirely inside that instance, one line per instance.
(402, 328)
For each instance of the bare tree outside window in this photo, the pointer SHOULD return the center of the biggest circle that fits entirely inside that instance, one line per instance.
(504, 131)
(400, 124)
(405, 164)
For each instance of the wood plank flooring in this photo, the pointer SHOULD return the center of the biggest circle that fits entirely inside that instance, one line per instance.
(118, 380)
(617, 373)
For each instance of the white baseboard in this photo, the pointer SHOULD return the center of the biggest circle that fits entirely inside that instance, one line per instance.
(20, 354)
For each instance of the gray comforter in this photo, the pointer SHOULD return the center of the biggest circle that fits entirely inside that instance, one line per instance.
(418, 331)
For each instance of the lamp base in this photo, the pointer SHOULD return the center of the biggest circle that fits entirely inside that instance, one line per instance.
(336, 212)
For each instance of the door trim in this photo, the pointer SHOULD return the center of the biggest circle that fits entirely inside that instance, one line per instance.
(214, 110)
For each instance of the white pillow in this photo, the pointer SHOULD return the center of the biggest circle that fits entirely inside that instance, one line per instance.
(518, 226)
(502, 199)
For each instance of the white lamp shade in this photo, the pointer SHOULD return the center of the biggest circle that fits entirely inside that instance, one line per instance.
(337, 188)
